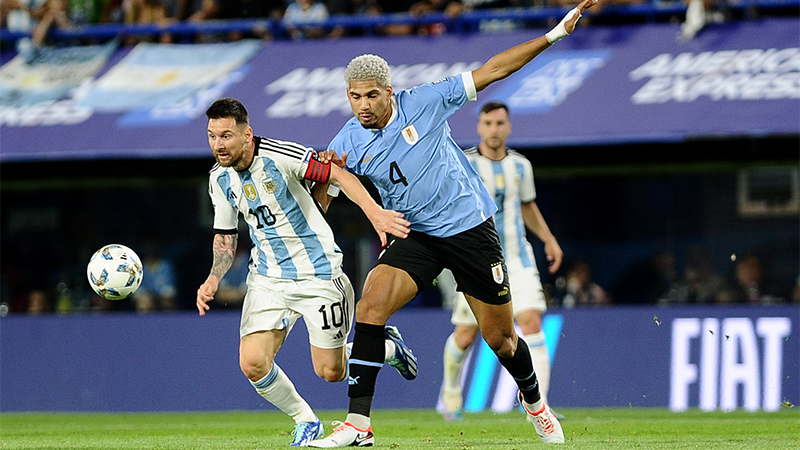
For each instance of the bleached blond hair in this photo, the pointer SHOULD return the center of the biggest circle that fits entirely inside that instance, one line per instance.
(367, 68)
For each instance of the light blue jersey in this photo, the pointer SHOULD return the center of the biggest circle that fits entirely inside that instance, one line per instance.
(415, 164)
(292, 240)
(510, 182)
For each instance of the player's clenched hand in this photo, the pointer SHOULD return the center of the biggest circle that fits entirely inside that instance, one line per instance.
(389, 221)
(331, 156)
(205, 294)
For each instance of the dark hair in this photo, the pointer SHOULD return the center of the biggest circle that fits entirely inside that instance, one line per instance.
(228, 107)
(491, 106)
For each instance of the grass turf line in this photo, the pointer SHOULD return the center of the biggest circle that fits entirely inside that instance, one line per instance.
(597, 428)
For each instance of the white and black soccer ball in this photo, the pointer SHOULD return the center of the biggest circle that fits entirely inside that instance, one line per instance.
(115, 272)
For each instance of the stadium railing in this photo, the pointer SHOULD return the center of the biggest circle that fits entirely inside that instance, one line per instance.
(651, 11)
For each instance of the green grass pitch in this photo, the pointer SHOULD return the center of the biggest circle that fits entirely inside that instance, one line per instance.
(599, 428)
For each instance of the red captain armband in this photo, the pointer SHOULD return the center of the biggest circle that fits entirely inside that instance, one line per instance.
(317, 171)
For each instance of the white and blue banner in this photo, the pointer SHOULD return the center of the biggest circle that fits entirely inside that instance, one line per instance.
(155, 74)
(49, 74)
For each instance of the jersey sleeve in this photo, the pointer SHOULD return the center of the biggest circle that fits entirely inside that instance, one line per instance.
(226, 219)
(527, 190)
(447, 95)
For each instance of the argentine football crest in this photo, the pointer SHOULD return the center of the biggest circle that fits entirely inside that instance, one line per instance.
(250, 192)
(270, 186)
(497, 272)
(410, 134)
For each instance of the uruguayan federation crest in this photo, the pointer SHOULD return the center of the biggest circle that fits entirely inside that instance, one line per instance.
(410, 134)
(497, 272)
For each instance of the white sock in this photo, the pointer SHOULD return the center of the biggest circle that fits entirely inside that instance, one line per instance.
(358, 421)
(278, 389)
(541, 361)
(389, 349)
(453, 364)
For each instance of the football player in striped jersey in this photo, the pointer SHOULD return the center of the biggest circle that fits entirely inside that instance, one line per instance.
(295, 265)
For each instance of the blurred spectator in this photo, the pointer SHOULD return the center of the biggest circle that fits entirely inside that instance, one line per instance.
(749, 283)
(646, 281)
(578, 289)
(52, 13)
(196, 10)
(143, 12)
(302, 19)
(157, 291)
(38, 302)
(700, 284)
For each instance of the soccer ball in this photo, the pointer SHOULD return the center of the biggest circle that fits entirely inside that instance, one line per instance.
(115, 272)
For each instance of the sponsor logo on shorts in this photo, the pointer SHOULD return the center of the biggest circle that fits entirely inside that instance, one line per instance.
(497, 272)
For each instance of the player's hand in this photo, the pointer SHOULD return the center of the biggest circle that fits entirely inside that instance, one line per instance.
(331, 156)
(389, 221)
(205, 294)
(569, 25)
(554, 255)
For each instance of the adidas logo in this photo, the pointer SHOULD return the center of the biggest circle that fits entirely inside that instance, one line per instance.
(339, 335)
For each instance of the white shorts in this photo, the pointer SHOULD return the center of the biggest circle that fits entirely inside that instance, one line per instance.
(326, 306)
(526, 294)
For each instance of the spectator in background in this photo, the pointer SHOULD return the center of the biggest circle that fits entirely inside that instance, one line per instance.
(303, 19)
(578, 289)
(144, 12)
(38, 302)
(699, 13)
(748, 286)
(157, 291)
(700, 283)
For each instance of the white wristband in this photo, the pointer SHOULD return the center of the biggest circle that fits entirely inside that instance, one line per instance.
(559, 32)
(333, 190)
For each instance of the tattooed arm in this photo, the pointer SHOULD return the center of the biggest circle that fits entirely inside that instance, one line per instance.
(224, 252)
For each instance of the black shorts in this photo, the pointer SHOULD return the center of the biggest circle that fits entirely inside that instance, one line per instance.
(474, 256)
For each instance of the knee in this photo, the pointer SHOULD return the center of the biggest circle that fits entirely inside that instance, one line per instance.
(502, 346)
(254, 368)
(331, 374)
(370, 311)
(465, 336)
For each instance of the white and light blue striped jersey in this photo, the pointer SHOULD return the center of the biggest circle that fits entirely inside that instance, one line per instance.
(291, 237)
(415, 164)
(510, 182)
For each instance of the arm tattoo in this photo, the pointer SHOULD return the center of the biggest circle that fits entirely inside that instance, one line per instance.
(224, 252)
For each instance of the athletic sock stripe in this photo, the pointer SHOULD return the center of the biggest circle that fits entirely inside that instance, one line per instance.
(268, 378)
(361, 362)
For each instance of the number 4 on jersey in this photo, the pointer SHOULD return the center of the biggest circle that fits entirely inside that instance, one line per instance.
(395, 175)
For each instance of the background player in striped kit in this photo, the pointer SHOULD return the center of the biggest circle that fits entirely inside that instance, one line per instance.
(295, 265)
(509, 178)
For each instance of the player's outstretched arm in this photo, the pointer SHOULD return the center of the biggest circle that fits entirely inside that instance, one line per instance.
(534, 221)
(224, 253)
(383, 220)
(504, 64)
(322, 192)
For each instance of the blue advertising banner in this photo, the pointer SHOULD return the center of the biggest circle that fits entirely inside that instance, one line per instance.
(603, 84)
(712, 358)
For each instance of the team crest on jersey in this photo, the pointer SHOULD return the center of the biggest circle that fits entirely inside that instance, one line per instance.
(497, 272)
(270, 186)
(410, 134)
(250, 192)
(500, 181)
